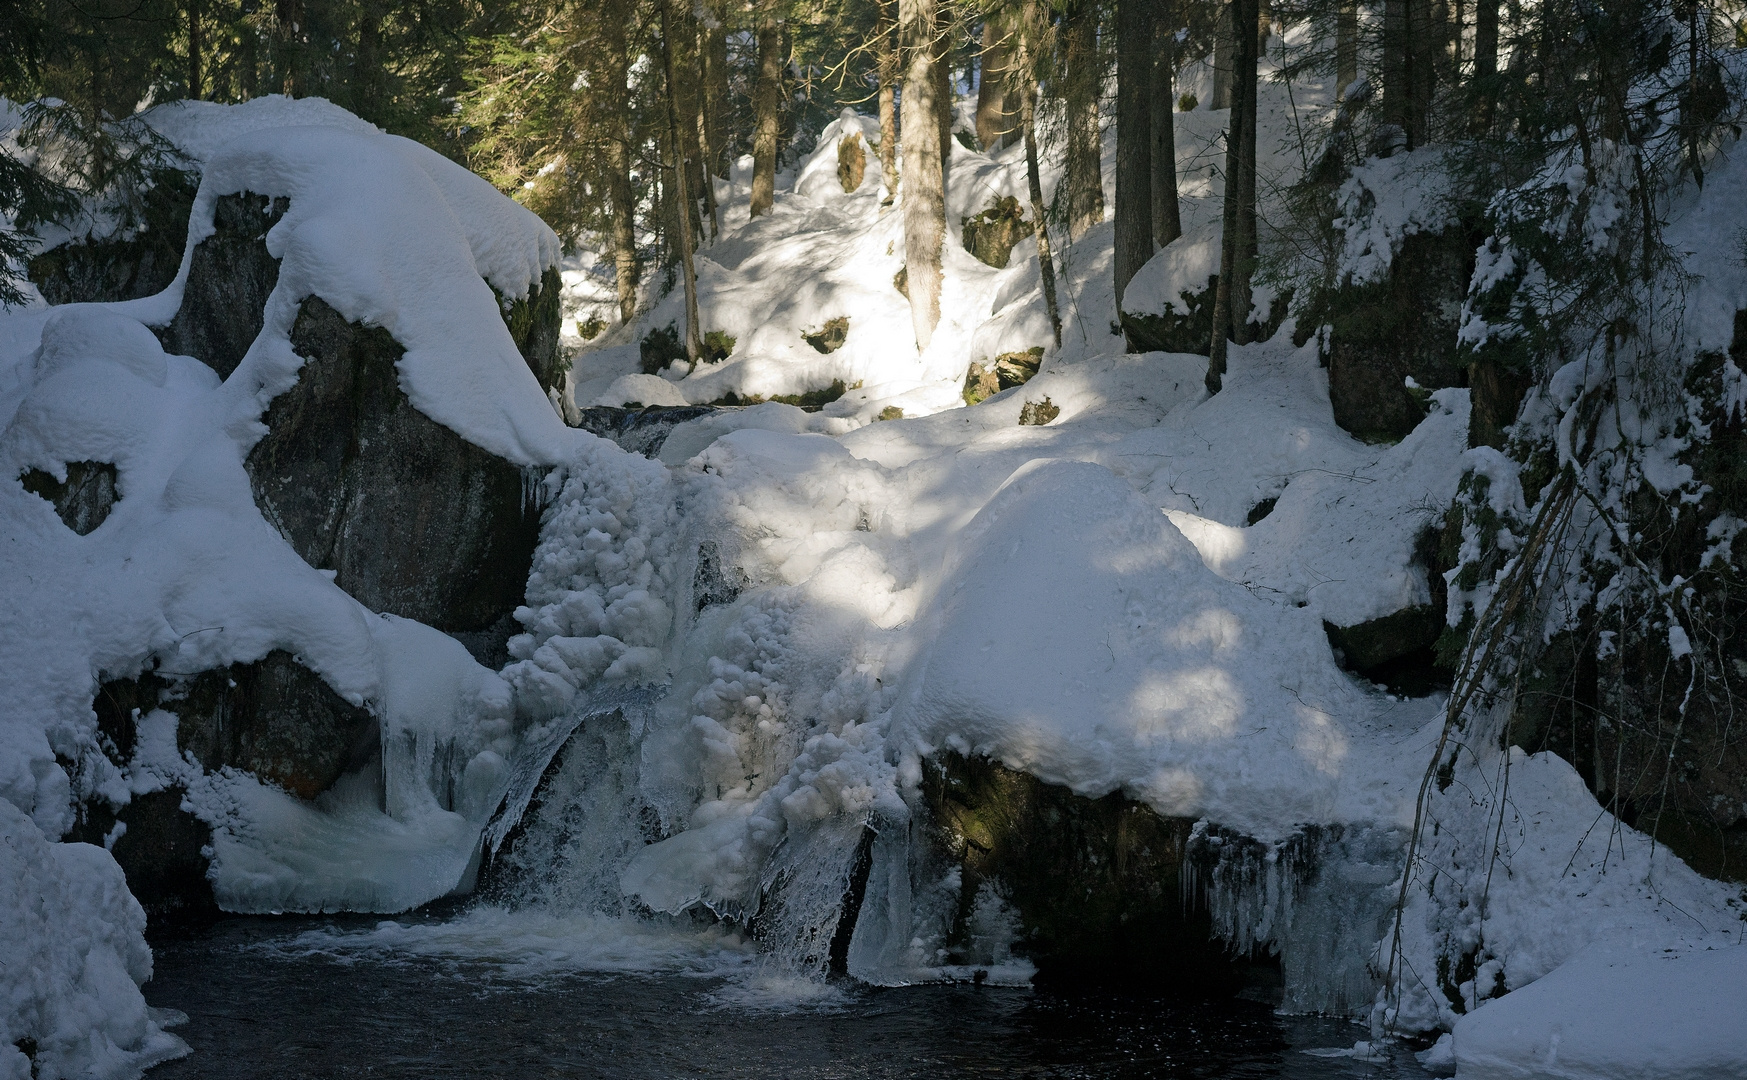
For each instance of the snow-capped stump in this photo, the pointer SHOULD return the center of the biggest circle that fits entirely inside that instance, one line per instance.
(992, 234)
(411, 518)
(83, 499)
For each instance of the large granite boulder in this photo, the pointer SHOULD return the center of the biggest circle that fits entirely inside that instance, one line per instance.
(411, 518)
(1403, 327)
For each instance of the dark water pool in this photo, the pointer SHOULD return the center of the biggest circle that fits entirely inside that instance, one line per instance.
(260, 1009)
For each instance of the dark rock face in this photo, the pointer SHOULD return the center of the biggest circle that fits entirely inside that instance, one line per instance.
(274, 718)
(229, 280)
(1404, 327)
(413, 519)
(1098, 884)
(84, 501)
(85, 271)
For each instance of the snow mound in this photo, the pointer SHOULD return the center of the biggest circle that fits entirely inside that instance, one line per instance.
(1081, 639)
(73, 952)
(1615, 1011)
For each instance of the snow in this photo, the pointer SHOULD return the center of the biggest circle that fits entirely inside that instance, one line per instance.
(1616, 1012)
(73, 950)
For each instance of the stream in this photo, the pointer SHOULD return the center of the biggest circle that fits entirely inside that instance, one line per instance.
(350, 996)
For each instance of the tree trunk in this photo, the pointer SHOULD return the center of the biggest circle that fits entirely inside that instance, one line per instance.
(292, 58)
(923, 177)
(1485, 59)
(1134, 139)
(1167, 219)
(766, 100)
(1024, 74)
(1083, 176)
(943, 88)
(1246, 58)
(716, 92)
(621, 196)
(1427, 35)
(889, 73)
(705, 156)
(706, 159)
(368, 91)
(1347, 46)
(995, 120)
(195, 46)
(694, 344)
(1231, 305)
(1397, 84)
(1222, 40)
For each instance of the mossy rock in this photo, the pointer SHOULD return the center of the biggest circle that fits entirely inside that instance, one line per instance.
(534, 322)
(718, 346)
(1038, 413)
(829, 337)
(851, 162)
(1371, 644)
(985, 380)
(992, 234)
(810, 400)
(1173, 331)
(1384, 333)
(1097, 884)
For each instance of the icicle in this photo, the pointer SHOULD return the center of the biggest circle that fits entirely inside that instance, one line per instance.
(1318, 899)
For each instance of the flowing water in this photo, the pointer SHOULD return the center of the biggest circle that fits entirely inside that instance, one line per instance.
(487, 993)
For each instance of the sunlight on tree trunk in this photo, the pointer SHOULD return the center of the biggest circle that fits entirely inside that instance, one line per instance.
(923, 174)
